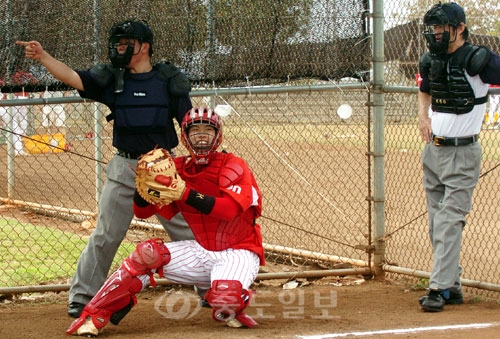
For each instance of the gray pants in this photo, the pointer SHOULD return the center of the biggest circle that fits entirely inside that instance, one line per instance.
(450, 176)
(114, 217)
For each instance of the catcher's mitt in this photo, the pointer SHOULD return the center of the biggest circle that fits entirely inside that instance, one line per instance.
(157, 180)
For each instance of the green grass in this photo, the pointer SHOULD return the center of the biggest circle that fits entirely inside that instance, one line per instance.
(476, 299)
(33, 255)
(421, 284)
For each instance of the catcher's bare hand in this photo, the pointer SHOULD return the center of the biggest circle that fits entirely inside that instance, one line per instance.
(157, 180)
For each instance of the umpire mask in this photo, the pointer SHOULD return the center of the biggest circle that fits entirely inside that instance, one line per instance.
(120, 33)
(446, 15)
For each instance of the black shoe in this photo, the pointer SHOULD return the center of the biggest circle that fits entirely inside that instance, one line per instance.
(204, 303)
(75, 309)
(454, 299)
(434, 301)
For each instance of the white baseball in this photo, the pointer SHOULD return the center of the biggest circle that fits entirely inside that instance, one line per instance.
(223, 110)
(344, 111)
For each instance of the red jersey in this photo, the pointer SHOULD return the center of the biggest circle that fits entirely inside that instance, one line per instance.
(225, 176)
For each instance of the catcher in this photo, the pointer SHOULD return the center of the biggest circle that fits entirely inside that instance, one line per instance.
(218, 196)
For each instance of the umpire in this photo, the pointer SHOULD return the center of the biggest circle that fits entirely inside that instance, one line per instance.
(144, 99)
(455, 78)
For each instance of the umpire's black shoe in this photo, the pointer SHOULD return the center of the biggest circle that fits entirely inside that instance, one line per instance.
(204, 303)
(454, 299)
(435, 300)
(75, 309)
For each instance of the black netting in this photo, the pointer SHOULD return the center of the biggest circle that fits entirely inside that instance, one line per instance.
(227, 42)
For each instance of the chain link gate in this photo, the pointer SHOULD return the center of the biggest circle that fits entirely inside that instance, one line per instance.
(285, 73)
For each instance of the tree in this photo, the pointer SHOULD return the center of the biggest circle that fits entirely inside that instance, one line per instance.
(482, 15)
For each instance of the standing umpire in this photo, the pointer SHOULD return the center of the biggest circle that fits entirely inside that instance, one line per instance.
(455, 78)
(143, 99)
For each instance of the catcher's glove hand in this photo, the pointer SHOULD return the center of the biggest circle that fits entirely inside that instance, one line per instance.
(157, 180)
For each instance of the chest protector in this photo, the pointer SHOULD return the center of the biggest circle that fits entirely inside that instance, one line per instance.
(141, 110)
(450, 90)
(141, 103)
(212, 233)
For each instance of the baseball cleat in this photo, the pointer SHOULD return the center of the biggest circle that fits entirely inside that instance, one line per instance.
(236, 320)
(233, 323)
(88, 329)
(245, 320)
(241, 320)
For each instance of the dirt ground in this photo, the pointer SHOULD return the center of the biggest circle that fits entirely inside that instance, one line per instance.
(327, 308)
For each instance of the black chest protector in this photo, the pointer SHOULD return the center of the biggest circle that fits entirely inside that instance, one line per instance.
(450, 90)
(140, 110)
(142, 107)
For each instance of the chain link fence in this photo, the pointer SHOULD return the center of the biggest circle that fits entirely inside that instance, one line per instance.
(285, 68)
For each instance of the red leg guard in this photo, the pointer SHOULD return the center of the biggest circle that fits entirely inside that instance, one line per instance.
(228, 300)
(149, 255)
(118, 292)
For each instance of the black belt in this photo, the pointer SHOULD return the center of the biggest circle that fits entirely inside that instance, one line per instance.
(128, 155)
(462, 141)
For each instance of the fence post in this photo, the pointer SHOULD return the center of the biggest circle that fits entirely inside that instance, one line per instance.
(99, 168)
(378, 138)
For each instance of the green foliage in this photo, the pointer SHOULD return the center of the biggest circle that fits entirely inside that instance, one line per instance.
(421, 284)
(33, 254)
(476, 299)
(482, 15)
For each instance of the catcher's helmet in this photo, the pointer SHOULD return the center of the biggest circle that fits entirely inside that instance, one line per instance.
(128, 29)
(201, 115)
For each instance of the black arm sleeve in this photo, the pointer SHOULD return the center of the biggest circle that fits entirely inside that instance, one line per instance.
(491, 73)
(203, 203)
(139, 201)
